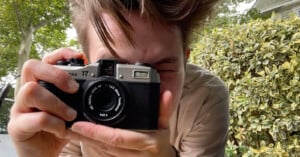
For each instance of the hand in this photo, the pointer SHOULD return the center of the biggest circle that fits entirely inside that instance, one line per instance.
(113, 142)
(37, 118)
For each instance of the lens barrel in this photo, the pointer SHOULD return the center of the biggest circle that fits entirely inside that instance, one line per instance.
(104, 101)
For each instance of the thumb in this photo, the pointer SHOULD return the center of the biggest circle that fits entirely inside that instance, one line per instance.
(165, 109)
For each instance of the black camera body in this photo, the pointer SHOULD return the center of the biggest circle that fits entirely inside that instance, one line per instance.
(117, 95)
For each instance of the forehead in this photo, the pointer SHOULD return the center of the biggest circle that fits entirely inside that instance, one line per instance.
(151, 39)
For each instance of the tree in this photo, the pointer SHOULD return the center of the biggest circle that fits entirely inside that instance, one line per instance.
(227, 13)
(29, 29)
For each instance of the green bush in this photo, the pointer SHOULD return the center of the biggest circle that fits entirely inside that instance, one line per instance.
(260, 62)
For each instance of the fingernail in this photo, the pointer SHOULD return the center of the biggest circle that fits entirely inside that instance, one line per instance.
(71, 113)
(75, 128)
(73, 85)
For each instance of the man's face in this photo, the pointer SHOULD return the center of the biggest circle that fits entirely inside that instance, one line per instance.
(155, 44)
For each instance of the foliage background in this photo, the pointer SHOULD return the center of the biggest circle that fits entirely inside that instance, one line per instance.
(260, 62)
(28, 30)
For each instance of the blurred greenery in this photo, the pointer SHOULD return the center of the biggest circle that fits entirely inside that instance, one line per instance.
(29, 29)
(258, 57)
(259, 61)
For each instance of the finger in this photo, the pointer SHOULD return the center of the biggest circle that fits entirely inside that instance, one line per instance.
(39, 121)
(116, 137)
(33, 96)
(62, 54)
(108, 150)
(128, 152)
(34, 70)
(165, 109)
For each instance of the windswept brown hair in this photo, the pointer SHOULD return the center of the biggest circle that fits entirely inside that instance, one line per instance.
(187, 14)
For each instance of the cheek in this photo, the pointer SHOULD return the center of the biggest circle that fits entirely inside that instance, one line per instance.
(93, 57)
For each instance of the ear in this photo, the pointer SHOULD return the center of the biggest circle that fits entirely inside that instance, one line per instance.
(187, 54)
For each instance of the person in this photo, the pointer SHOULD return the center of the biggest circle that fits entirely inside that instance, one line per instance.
(193, 116)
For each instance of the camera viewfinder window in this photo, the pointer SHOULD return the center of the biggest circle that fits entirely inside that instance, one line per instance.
(141, 74)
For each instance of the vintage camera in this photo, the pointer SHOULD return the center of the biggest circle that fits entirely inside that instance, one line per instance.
(114, 94)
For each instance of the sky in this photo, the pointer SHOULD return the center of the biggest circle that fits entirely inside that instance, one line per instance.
(244, 7)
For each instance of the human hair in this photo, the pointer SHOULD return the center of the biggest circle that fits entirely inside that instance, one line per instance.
(187, 14)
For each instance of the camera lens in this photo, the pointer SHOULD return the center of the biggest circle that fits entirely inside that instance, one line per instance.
(104, 101)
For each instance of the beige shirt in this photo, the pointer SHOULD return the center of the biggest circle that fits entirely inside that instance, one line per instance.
(198, 125)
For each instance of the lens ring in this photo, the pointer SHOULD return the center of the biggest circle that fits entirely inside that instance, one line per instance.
(104, 101)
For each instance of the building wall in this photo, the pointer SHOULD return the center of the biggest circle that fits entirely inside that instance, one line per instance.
(280, 7)
(266, 4)
(286, 11)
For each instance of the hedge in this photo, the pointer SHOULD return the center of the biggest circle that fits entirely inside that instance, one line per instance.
(260, 62)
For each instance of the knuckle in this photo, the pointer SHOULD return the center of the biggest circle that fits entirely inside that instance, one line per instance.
(26, 97)
(104, 147)
(116, 139)
(28, 66)
(26, 91)
(90, 132)
(29, 89)
(13, 111)
(61, 74)
(43, 119)
(46, 57)
(10, 127)
(23, 97)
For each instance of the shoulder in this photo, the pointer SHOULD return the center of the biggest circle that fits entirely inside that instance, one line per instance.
(200, 121)
(199, 81)
(204, 94)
